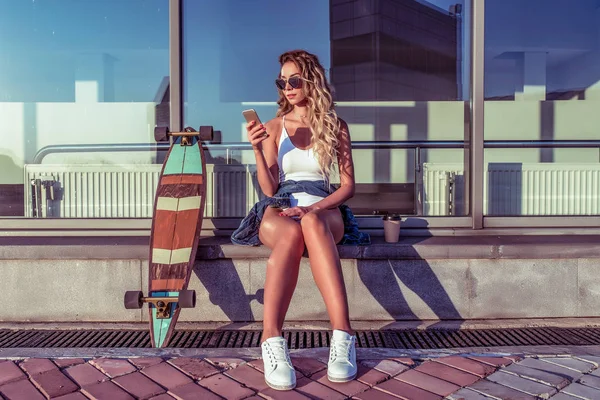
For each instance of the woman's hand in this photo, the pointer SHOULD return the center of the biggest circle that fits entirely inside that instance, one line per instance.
(297, 212)
(256, 134)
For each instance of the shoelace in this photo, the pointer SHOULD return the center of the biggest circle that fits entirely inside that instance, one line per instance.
(341, 347)
(279, 353)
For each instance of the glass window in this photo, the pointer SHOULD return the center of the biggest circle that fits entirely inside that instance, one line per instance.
(80, 72)
(399, 69)
(542, 82)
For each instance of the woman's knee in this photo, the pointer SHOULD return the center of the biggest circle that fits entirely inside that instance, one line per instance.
(313, 222)
(283, 234)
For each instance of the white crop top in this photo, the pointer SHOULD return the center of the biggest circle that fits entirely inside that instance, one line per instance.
(297, 165)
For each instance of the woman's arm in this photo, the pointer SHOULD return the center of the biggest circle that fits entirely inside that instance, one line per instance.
(346, 167)
(265, 151)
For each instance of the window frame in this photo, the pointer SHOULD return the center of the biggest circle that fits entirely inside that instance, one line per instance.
(474, 159)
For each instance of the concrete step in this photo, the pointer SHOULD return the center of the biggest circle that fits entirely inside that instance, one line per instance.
(458, 278)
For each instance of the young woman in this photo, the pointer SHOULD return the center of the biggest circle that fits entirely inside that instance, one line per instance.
(295, 153)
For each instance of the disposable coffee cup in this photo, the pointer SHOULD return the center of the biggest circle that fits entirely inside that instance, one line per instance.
(391, 228)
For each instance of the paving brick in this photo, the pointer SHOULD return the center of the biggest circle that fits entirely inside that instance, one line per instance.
(67, 362)
(548, 378)
(20, 390)
(579, 390)
(522, 384)
(307, 366)
(493, 361)
(72, 396)
(389, 367)
(499, 391)
(370, 376)
(513, 357)
(166, 375)
(34, 366)
(54, 383)
(466, 364)
(314, 389)
(272, 394)
(399, 388)
(550, 367)
(143, 362)
(590, 380)
(113, 367)
(226, 387)
(226, 363)
(85, 374)
(563, 396)
(447, 373)
(467, 394)
(591, 359)
(248, 376)
(105, 391)
(404, 360)
(163, 396)
(194, 367)
(427, 382)
(568, 362)
(139, 385)
(375, 394)
(258, 365)
(192, 391)
(348, 388)
(9, 372)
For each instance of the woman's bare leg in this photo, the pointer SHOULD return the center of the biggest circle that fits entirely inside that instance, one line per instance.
(322, 229)
(283, 236)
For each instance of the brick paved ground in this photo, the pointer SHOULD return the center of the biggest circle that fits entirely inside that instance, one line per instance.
(460, 376)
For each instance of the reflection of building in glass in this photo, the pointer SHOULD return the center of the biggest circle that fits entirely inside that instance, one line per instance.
(394, 50)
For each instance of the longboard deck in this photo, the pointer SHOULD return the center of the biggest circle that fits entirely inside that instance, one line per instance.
(176, 225)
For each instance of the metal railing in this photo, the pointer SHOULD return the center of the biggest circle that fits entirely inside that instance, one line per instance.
(228, 147)
(416, 146)
(358, 145)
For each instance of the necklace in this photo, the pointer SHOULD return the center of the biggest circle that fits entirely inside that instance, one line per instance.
(299, 116)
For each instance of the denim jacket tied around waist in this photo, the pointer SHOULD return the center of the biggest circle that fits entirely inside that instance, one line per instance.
(247, 233)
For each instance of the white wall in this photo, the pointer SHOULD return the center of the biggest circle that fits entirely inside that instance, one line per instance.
(28, 127)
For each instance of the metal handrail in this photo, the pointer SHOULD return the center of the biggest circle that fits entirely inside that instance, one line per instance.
(359, 145)
(541, 144)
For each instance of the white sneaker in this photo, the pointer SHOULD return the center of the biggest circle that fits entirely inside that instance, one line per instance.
(342, 365)
(279, 371)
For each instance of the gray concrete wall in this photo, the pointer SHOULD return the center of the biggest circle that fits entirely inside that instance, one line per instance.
(91, 290)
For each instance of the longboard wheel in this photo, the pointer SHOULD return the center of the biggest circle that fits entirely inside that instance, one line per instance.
(161, 133)
(133, 299)
(206, 133)
(187, 299)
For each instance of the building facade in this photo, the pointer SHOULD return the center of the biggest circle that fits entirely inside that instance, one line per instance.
(470, 114)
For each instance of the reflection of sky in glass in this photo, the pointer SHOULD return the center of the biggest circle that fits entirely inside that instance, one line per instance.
(231, 47)
(47, 45)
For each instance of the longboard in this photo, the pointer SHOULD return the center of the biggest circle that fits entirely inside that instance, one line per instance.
(176, 224)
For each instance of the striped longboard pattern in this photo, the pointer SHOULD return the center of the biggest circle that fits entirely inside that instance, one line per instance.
(177, 219)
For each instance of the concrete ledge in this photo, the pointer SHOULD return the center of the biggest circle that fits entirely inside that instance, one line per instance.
(447, 278)
(378, 290)
(409, 248)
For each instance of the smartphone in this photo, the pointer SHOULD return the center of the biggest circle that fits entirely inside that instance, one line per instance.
(251, 115)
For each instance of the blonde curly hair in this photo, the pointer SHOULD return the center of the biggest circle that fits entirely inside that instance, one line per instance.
(322, 118)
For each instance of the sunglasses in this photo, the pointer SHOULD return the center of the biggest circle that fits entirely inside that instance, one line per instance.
(295, 82)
